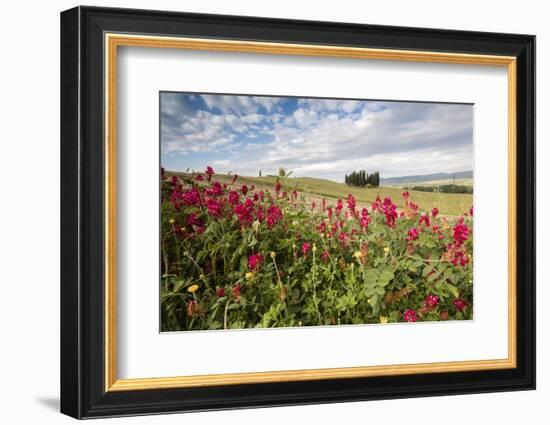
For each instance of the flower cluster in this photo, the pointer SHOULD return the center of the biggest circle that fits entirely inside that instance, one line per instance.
(238, 252)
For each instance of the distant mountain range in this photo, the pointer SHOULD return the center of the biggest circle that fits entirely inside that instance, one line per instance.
(427, 177)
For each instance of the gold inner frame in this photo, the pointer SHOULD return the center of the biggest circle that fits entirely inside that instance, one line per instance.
(113, 41)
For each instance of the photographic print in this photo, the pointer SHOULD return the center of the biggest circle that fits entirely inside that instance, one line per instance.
(296, 211)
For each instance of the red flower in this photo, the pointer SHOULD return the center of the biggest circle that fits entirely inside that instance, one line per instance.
(431, 301)
(244, 213)
(274, 214)
(220, 292)
(376, 204)
(254, 261)
(215, 190)
(351, 203)
(260, 213)
(343, 237)
(305, 248)
(413, 234)
(461, 232)
(365, 218)
(244, 189)
(198, 177)
(192, 220)
(339, 206)
(472, 211)
(236, 291)
(435, 212)
(233, 197)
(410, 315)
(459, 256)
(277, 187)
(209, 172)
(191, 197)
(425, 219)
(406, 196)
(390, 211)
(459, 304)
(214, 208)
(325, 256)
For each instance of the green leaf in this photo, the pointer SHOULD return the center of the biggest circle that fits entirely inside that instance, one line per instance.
(385, 277)
(453, 290)
(370, 277)
(178, 285)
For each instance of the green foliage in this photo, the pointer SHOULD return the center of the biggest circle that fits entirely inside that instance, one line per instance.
(361, 179)
(316, 268)
(445, 188)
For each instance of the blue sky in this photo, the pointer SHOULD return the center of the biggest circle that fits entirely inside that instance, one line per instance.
(321, 138)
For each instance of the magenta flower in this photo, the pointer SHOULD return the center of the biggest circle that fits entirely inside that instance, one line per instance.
(244, 189)
(413, 234)
(254, 261)
(461, 232)
(214, 208)
(410, 315)
(425, 219)
(233, 197)
(198, 177)
(192, 220)
(351, 203)
(209, 172)
(431, 301)
(243, 213)
(459, 304)
(339, 206)
(325, 256)
(260, 215)
(274, 214)
(215, 190)
(435, 212)
(343, 237)
(191, 197)
(390, 211)
(305, 248)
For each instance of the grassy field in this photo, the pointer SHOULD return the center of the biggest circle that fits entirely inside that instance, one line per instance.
(448, 203)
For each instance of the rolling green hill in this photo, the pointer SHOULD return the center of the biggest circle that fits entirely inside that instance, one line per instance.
(448, 203)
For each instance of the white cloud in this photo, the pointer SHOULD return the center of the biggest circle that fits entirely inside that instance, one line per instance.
(240, 105)
(323, 138)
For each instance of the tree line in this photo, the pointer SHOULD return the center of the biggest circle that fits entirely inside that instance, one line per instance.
(361, 178)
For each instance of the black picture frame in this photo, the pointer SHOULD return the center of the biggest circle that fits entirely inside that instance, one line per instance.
(83, 392)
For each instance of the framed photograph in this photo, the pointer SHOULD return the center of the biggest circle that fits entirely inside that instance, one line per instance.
(261, 212)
